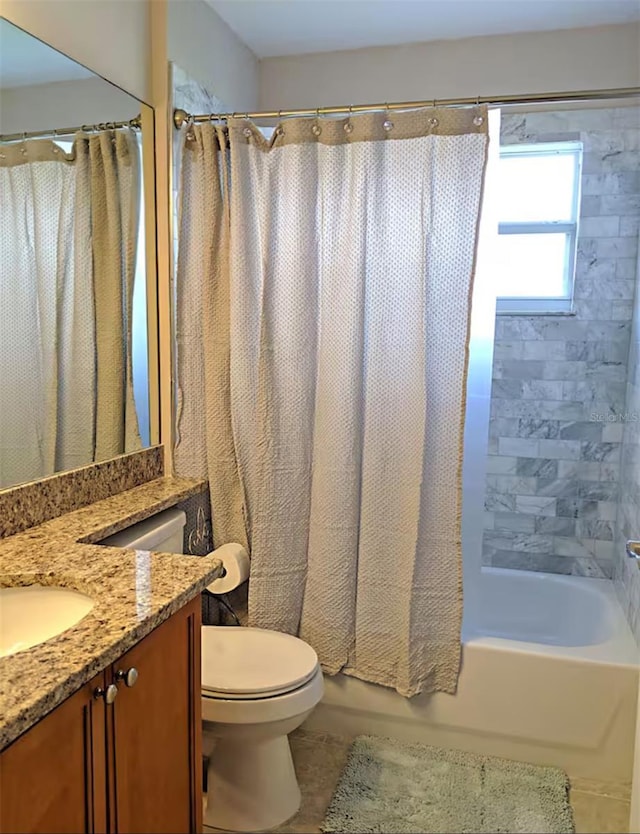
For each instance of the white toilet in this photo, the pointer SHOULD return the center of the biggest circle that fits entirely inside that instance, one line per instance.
(257, 686)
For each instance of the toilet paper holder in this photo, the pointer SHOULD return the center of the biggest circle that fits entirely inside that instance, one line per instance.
(633, 550)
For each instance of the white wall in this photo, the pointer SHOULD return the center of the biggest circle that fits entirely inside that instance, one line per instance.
(110, 37)
(200, 42)
(64, 104)
(572, 59)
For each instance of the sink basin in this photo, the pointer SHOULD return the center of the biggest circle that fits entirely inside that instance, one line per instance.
(31, 614)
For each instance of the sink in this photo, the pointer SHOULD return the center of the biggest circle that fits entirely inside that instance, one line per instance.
(31, 614)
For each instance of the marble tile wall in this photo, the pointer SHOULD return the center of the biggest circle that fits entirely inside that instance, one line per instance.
(627, 571)
(192, 96)
(559, 382)
(188, 94)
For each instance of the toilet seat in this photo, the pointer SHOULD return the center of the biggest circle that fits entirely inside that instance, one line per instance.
(253, 663)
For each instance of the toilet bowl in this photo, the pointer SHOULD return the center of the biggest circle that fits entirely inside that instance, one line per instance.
(257, 687)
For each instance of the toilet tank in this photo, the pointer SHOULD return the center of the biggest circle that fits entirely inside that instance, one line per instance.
(163, 532)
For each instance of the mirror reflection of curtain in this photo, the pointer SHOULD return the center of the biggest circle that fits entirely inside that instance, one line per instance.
(107, 164)
(67, 247)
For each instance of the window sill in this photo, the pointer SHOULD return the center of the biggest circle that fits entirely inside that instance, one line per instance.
(535, 306)
(555, 313)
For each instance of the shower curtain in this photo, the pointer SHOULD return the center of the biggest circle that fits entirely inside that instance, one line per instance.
(324, 282)
(67, 246)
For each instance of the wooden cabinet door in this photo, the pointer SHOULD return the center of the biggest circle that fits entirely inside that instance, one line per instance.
(155, 732)
(53, 778)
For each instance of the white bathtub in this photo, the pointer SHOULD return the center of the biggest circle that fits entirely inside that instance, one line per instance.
(549, 676)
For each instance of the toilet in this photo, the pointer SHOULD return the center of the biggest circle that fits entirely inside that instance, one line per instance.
(257, 687)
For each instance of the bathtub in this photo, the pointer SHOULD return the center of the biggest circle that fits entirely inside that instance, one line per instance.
(549, 676)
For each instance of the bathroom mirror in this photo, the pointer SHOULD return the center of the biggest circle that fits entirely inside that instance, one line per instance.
(78, 373)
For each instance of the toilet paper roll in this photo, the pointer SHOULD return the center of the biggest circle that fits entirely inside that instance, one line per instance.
(236, 563)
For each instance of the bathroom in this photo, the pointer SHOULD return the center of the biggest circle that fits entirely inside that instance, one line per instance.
(536, 677)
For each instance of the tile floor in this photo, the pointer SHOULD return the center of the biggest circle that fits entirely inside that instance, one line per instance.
(598, 807)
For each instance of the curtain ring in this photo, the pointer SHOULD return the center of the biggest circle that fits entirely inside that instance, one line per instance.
(348, 127)
(387, 124)
(315, 128)
(478, 119)
(190, 134)
(433, 121)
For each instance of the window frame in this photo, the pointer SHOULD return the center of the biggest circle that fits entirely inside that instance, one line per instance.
(547, 304)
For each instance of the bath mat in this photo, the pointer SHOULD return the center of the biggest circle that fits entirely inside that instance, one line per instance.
(391, 787)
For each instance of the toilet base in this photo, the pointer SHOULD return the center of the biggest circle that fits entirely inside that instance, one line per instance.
(251, 786)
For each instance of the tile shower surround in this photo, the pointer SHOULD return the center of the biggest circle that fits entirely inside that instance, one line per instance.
(559, 389)
(191, 96)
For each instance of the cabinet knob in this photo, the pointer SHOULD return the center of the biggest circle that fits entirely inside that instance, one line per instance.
(128, 677)
(109, 694)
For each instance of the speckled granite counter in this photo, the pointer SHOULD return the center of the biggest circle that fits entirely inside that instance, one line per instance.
(134, 591)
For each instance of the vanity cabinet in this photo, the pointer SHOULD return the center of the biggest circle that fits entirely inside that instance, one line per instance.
(52, 778)
(124, 764)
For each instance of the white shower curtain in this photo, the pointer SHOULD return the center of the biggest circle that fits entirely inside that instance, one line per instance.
(324, 282)
(67, 249)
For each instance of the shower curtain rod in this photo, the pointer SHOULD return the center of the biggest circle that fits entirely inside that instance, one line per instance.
(66, 131)
(181, 117)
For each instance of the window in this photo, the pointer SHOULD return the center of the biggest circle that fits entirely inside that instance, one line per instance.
(538, 211)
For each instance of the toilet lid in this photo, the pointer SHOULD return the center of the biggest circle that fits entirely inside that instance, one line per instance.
(248, 663)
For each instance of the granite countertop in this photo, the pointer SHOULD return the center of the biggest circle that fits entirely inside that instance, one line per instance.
(134, 591)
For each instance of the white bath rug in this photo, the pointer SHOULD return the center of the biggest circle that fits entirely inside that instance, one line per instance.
(390, 787)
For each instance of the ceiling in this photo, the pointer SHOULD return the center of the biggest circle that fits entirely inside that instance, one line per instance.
(25, 60)
(292, 27)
